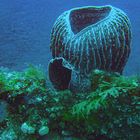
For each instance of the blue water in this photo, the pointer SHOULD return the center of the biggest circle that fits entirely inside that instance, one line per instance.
(25, 27)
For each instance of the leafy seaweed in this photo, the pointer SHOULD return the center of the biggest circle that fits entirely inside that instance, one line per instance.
(29, 81)
(111, 110)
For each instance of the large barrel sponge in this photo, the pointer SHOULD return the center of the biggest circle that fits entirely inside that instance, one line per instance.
(88, 38)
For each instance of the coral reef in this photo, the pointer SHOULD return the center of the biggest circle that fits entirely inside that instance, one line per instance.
(88, 38)
(3, 110)
(36, 111)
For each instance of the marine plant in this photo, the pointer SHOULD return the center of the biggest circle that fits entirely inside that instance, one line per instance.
(112, 109)
(109, 111)
(15, 83)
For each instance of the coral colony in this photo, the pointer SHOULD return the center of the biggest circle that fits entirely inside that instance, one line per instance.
(87, 97)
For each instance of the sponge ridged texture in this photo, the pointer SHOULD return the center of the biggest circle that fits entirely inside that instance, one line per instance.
(102, 44)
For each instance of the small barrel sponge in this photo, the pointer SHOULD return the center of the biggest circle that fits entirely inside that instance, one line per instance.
(88, 38)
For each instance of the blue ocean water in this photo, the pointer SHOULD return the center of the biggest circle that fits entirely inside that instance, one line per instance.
(25, 28)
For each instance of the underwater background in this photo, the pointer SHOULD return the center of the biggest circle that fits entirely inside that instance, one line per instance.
(25, 28)
(70, 105)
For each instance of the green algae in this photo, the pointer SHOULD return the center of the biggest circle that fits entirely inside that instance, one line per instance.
(111, 110)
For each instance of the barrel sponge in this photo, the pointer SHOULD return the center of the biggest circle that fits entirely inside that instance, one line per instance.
(92, 37)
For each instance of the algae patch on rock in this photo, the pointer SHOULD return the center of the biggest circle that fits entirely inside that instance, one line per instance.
(111, 110)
